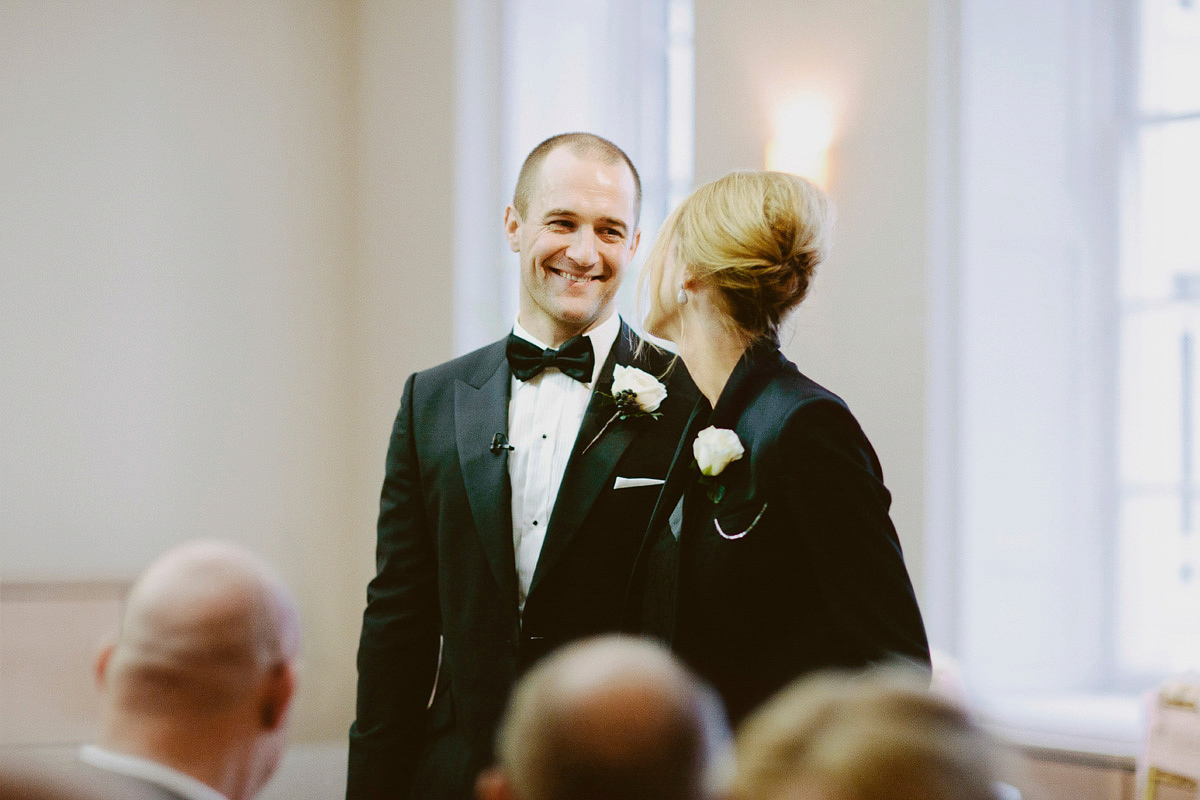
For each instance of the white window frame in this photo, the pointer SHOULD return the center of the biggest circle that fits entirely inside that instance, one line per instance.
(1023, 233)
(1135, 120)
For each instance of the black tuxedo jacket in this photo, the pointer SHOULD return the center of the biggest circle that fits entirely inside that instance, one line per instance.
(798, 566)
(446, 566)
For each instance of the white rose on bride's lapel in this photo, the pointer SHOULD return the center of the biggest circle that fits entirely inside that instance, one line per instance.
(648, 391)
(715, 448)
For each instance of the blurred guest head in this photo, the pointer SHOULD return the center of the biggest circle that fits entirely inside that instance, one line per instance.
(202, 674)
(746, 245)
(877, 736)
(612, 718)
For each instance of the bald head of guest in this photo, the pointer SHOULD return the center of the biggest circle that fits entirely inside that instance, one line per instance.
(608, 718)
(203, 672)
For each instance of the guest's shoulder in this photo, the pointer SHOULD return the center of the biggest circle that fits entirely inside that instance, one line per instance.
(101, 782)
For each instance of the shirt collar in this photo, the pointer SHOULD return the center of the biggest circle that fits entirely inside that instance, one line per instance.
(151, 771)
(602, 336)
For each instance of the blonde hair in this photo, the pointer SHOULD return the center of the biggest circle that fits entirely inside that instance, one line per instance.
(757, 238)
(881, 736)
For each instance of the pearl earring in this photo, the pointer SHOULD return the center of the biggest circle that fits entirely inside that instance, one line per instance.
(682, 297)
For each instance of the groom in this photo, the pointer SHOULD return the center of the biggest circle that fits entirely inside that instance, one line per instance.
(516, 496)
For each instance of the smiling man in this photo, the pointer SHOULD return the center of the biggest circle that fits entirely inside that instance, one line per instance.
(514, 500)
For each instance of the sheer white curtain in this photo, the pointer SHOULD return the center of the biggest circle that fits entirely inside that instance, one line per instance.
(1063, 371)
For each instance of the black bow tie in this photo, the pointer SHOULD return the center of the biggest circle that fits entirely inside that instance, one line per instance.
(574, 359)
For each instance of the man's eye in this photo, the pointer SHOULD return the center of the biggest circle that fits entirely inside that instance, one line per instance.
(560, 224)
(613, 234)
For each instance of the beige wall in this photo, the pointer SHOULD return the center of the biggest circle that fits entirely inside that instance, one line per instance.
(224, 243)
(861, 332)
(403, 298)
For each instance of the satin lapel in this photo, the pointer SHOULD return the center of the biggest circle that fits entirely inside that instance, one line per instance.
(679, 477)
(479, 414)
(587, 473)
(680, 474)
(756, 366)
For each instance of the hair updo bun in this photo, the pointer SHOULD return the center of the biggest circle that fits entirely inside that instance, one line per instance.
(756, 237)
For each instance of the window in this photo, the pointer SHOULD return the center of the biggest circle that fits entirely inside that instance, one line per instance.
(1066, 308)
(1158, 554)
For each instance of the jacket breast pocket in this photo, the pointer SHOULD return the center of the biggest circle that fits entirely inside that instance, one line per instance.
(739, 522)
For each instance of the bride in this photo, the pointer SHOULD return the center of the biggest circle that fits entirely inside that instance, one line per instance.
(771, 553)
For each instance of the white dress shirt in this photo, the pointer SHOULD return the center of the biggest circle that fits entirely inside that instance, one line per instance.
(151, 771)
(544, 414)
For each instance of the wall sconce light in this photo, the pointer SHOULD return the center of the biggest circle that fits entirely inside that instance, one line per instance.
(803, 133)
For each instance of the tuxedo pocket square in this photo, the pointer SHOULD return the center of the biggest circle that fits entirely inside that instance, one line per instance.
(675, 521)
(630, 483)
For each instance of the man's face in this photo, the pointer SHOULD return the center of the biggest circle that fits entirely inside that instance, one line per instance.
(575, 239)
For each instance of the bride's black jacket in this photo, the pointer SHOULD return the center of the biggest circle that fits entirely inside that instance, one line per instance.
(798, 566)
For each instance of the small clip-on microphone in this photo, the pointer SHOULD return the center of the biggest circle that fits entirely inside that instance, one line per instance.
(499, 443)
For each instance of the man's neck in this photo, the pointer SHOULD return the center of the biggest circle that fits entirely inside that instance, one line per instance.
(555, 335)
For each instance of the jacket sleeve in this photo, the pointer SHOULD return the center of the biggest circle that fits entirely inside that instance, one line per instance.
(833, 483)
(398, 648)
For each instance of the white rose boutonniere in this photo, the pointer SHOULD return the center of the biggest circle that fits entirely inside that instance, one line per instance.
(635, 389)
(635, 393)
(715, 449)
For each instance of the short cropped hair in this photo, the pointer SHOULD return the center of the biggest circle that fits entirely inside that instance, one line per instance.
(613, 717)
(584, 145)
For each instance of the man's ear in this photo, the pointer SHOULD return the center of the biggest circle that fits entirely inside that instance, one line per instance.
(279, 687)
(100, 666)
(493, 784)
(512, 226)
(637, 239)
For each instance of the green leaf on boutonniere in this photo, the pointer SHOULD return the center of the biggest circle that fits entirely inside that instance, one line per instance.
(714, 490)
(635, 394)
(628, 405)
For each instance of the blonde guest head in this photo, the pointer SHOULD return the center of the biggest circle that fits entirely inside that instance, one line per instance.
(881, 736)
(753, 240)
